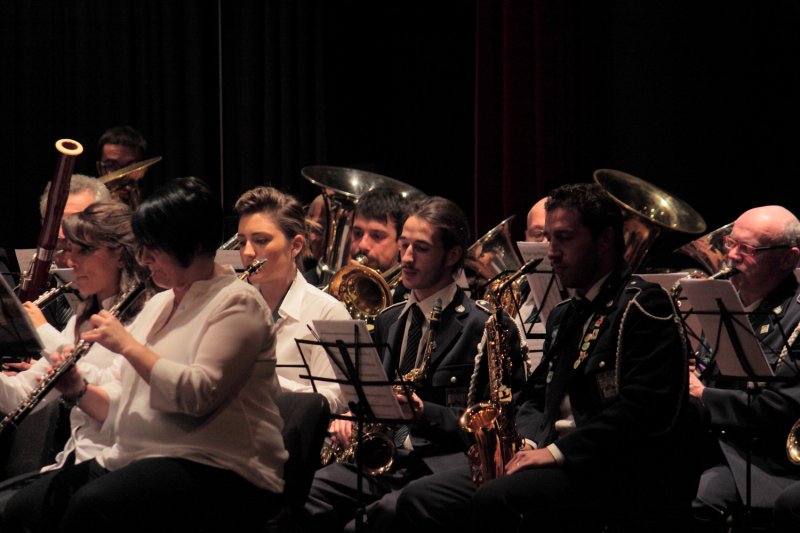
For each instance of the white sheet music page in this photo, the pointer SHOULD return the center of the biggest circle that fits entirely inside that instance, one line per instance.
(380, 398)
(705, 297)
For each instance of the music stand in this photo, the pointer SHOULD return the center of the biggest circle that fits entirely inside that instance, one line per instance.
(735, 347)
(366, 389)
(18, 338)
(545, 293)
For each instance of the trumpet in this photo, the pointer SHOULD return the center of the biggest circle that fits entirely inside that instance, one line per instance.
(82, 348)
(377, 449)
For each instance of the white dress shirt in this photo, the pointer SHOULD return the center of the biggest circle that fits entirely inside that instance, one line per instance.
(210, 396)
(302, 304)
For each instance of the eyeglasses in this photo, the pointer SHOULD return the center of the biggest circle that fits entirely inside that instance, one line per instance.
(747, 249)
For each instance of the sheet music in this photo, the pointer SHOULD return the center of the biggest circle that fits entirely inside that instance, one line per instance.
(18, 337)
(692, 323)
(380, 398)
(545, 287)
(704, 296)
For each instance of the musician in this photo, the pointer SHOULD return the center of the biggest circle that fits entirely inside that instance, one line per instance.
(763, 245)
(601, 414)
(102, 251)
(534, 231)
(120, 147)
(83, 191)
(433, 244)
(198, 435)
(272, 226)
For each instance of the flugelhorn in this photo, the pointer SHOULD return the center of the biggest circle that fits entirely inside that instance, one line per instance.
(48, 382)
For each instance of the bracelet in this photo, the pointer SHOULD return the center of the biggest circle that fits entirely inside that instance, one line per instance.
(69, 403)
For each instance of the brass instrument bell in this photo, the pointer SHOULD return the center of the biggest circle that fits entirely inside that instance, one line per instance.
(647, 210)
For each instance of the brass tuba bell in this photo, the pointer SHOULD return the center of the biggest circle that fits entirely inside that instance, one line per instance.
(341, 189)
(493, 258)
(709, 250)
(647, 210)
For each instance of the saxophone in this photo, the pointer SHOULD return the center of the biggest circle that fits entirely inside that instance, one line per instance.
(48, 382)
(377, 449)
(492, 423)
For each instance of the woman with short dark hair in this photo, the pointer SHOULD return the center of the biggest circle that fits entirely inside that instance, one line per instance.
(198, 433)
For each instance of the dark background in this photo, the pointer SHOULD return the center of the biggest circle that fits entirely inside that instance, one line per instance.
(490, 103)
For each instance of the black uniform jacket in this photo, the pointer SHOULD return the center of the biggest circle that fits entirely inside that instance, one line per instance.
(444, 392)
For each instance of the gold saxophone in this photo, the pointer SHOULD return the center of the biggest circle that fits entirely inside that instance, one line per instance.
(377, 449)
(492, 423)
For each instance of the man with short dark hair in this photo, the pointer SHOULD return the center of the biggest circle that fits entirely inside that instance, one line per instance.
(602, 415)
(377, 222)
(433, 244)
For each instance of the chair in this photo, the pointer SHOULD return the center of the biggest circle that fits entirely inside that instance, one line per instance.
(34, 443)
(305, 416)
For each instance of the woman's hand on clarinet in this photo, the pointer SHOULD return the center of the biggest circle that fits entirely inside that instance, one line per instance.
(35, 314)
(71, 383)
(108, 331)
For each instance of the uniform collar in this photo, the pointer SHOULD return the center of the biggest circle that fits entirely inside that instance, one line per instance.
(446, 293)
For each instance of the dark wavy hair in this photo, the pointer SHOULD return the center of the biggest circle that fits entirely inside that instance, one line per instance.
(181, 218)
(595, 207)
(107, 225)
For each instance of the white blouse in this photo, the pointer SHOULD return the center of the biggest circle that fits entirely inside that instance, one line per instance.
(210, 396)
(302, 304)
(87, 436)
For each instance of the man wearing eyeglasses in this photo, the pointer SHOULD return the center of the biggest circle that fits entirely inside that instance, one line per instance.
(119, 147)
(763, 245)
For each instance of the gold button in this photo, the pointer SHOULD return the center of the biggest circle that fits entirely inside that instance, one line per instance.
(453, 379)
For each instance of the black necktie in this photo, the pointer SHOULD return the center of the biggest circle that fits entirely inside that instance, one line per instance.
(409, 360)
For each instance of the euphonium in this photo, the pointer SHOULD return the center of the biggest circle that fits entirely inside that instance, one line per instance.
(492, 423)
(48, 382)
(377, 449)
(364, 291)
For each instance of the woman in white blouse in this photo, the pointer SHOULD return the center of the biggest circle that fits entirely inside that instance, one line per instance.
(102, 252)
(198, 435)
(272, 226)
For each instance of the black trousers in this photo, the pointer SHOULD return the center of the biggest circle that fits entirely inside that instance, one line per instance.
(159, 494)
(787, 509)
(540, 500)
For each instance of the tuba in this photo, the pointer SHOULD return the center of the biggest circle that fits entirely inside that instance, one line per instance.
(341, 188)
(377, 449)
(647, 210)
(492, 423)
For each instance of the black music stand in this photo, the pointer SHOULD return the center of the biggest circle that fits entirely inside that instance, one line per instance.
(738, 354)
(18, 338)
(364, 383)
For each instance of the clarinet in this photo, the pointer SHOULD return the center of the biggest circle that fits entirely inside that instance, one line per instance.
(48, 382)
